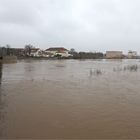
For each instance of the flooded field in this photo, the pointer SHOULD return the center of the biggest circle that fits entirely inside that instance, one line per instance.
(70, 99)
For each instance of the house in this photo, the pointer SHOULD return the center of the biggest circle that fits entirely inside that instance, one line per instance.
(59, 51)
(114, 55)
(45, 54)
(132, 55)
(36, 52)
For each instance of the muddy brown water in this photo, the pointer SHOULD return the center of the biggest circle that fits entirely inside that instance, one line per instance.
(70, 99)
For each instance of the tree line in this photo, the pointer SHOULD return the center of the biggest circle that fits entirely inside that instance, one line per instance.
(86, 55)
(7, 51)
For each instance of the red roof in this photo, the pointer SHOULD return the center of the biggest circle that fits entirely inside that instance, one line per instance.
(57, 49)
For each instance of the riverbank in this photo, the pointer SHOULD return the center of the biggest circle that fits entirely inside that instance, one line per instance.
(71, 58)
(8, 59)
(14, 59)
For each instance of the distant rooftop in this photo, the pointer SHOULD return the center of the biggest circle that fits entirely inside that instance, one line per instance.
(57, 49)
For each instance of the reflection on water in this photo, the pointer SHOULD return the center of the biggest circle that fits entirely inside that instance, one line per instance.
(70, 99)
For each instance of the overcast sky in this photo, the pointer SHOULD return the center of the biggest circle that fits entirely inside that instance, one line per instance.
(86, 25)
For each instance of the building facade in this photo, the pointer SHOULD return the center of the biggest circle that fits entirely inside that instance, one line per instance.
(36, 52)
(114, 54)
(62, 52)
(132, 55)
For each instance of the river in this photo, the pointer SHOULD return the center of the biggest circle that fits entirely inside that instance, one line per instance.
(70, 99)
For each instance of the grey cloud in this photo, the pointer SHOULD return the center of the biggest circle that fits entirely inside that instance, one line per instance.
(16, 12)
(85, 25)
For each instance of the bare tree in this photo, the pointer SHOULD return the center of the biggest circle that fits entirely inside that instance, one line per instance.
(28, 49)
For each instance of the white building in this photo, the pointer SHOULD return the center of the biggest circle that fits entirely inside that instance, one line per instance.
(36, 52)
(52, 52)
(132, 54)
(114, 54)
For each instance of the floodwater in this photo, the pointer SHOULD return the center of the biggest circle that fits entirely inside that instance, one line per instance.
(70, 99)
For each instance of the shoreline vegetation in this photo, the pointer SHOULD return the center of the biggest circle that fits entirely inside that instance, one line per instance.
(14, 59)
(9, 55)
